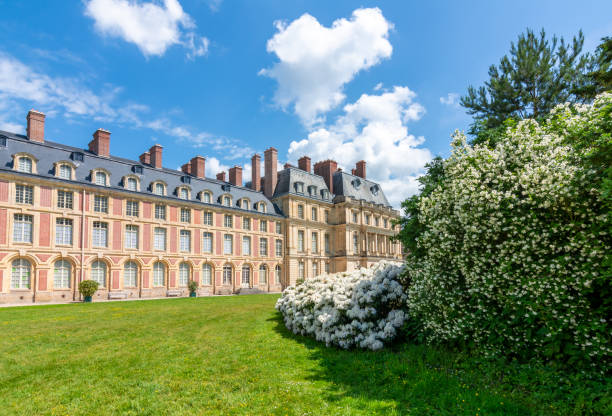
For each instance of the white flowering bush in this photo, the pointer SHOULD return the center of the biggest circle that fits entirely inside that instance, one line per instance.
(515, 251)
(360, 309)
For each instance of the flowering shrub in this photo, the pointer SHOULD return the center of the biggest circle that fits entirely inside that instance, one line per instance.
(364, 308)
(514, 246)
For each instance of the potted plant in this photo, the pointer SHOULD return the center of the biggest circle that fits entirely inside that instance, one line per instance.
(193, 287)
(87, 289)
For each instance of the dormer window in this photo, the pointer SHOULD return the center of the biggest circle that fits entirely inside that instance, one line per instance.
(299, 187)
(183, 193)
(186, 179)
(2, 141)
(260, 206)
(312, 190)
(356, 183)
(245, 204)
(159, 188)
(226, 187)
(100, 178)
(324, 194)
(63, 170)
(137, 169)
(77, 156)
(205, 197)
(227, 201)
(25, 164)
(374, 189)
(131, 184)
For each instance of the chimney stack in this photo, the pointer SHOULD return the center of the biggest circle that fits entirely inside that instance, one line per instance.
(360, 170)
(156, 156)
(304, 163)
(35, 129)
(100, 145)
(256, 172)
(198, 164)
(326, 169)
(186, 168)
(354, 171)
(145, 158)
(221, 176)
(235, 175)
(271, 163)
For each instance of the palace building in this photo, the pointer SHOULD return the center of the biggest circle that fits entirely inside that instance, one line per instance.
(141, 230)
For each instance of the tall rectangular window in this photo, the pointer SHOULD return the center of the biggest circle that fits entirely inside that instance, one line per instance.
(263, 226)
(185, 215)
(159, 239)
(279, 248)
(24, 194)
(327, 268)
(300, 211)
(315, 269)
(315, 242)
(64, 199)
(63, 231)
(22, 228)
(263, 246)
(100, 234)
(367, 219)
(101, 204)
(301, 270)
(185, 241)
(355, 243)
(355, 217)
(327, 216)
(228, 244)
(327, 244)
(208, 218)
(228, 221)
(131, 236)
(131, 208)
(246, 223)
(385, 223)
(160, 212)
(300, 242)
(207, 242)
(313, 214)
(279, 227)
(246, 246)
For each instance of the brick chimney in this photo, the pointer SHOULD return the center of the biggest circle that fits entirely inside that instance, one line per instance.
(304, 163)
(100, 144)
(360, 169)
(271, 162)
(198, 164)
(156, 156)
(287, 165)
(326, 169)
(235, 175)
(186, 168)
(145, 158)
(256, 172)
(36, 126)
(354, 171)
(221, 176)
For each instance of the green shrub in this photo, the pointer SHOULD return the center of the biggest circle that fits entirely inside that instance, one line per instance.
(193, 286)
(516, 242)
(88, 287)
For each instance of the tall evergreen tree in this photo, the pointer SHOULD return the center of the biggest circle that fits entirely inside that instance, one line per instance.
(599, 77)
(537, 75)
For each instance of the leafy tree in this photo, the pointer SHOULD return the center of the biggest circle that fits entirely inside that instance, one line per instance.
(599, 78)
(410, 227)
(538, 74)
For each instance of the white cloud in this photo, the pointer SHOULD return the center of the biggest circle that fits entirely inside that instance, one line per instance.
(451, 99)
(374, 128)
(214, 166)
(21, 87)
(315, 62)
(150, 26)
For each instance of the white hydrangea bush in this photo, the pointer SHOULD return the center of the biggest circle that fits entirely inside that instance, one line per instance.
(364, 308)
(511, 259)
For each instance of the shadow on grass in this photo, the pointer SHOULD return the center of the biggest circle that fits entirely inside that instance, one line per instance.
(397, 379)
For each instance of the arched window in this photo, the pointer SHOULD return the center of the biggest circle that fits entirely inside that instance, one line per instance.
(65, 171)
(159, 274)
(227, 201)
(206, 197)
(130, 274)
(25, 164)
(206, 274)
(98, 272)
(61, 274)
(245, 204)
(263, 274)
(227, 274)
(159, 188)
(261, 207)
(183, 193)
(184, 270)
(277, 274)
(20, 276)
(100, 178)
(246, 276)
(131, 184)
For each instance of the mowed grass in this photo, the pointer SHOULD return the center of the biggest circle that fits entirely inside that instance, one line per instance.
(232, 355)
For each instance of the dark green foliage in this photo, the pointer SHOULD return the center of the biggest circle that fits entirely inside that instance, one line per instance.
(599, 77)
(88, 287)
(192, 286)
(538, 75)
(410, 226)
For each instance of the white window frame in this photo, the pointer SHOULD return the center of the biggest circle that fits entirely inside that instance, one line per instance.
(159, 238)
(185, 241)
(23, 226)
(246, 245)
(131, 236)
(228, 244)
(130, 274)
(99, 235)
(63, 231)
(21, 274)
(62, 274)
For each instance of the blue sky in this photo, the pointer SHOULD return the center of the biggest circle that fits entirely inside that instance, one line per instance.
(224, 79)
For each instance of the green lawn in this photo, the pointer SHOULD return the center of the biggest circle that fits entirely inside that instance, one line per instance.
(232, 355)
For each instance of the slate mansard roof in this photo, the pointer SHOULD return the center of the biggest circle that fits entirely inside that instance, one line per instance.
(358, 188)
(48, 153)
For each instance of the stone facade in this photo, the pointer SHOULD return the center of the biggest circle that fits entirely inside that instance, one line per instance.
(69, 214)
